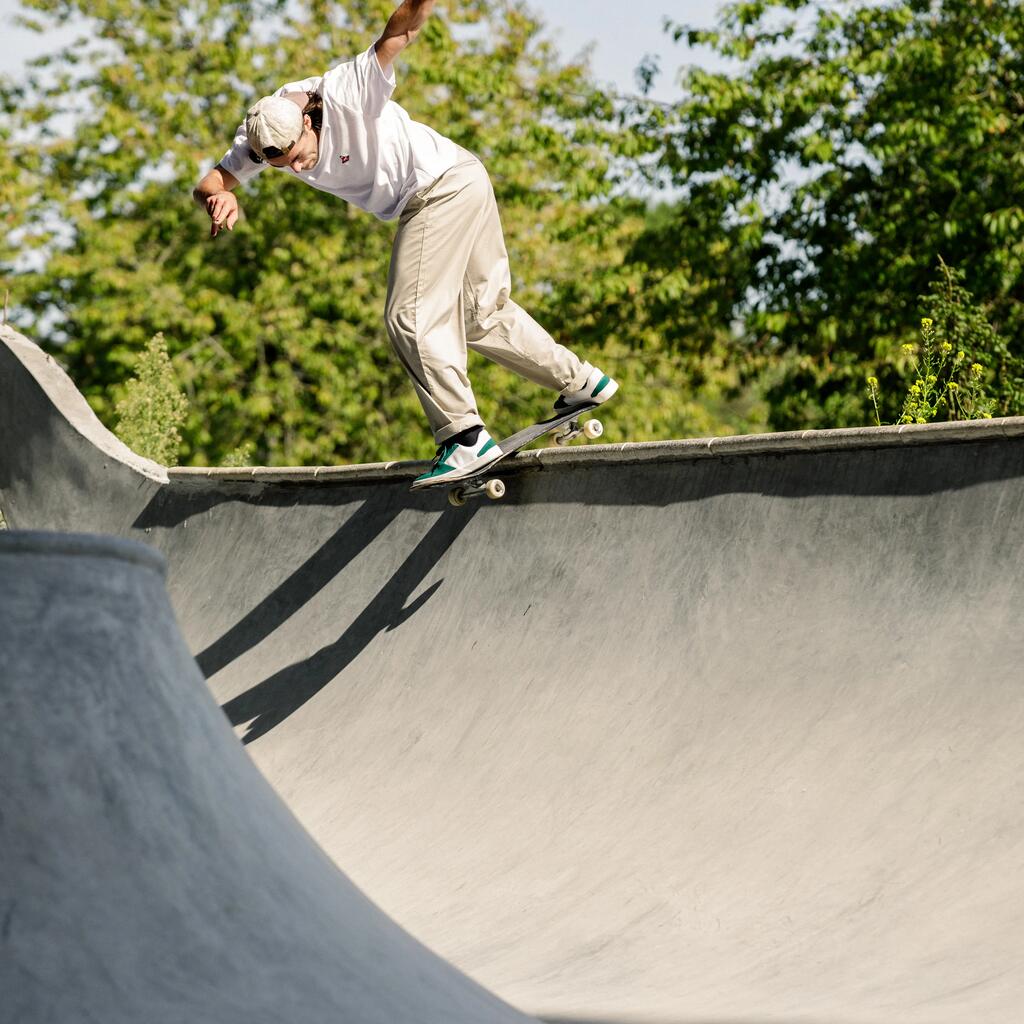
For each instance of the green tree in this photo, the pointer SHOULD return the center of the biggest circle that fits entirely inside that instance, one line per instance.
(277, 334)
(836, 155)
(663, 305)
(276, 328)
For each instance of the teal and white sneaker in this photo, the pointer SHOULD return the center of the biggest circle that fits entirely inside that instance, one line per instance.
(598, 388)
(456, 461)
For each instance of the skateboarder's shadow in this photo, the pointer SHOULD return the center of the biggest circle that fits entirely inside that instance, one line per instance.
(271, 701)
(305, 581)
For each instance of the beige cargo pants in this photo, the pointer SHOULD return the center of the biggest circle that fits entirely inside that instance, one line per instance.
(448, 288)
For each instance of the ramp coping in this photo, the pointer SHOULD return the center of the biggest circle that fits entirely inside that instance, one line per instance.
(630, 452)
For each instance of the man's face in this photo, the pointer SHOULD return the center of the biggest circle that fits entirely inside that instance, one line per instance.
(304, 154)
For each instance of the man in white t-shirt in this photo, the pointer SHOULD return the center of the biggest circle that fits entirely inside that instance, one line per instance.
(449, 281)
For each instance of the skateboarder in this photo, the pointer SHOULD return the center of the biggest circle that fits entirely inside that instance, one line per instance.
(449, 281)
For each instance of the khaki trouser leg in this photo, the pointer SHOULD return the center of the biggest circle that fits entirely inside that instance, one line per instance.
(499, 328)
(448, 285)
(423, 313)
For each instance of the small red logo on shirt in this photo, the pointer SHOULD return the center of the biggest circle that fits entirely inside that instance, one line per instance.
(345, 159)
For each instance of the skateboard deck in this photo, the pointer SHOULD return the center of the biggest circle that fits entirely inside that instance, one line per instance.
(483, 483)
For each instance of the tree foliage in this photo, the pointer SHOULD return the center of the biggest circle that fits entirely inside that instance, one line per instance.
(811, 182)
(276, 329)
(840, 150)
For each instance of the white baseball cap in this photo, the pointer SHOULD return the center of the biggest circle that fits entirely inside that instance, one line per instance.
(273, 123)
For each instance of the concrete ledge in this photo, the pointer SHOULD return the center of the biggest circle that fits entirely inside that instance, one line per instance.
(783, 443)
(367, 473)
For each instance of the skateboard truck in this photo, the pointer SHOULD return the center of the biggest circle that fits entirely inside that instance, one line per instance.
(592, 430)
(474, 488)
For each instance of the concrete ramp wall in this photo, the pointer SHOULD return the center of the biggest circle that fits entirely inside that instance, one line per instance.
(56, 456)
(718, 739)
(147, 871)
(709, 732)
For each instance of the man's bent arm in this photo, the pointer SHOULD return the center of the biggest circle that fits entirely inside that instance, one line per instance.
(402, 28)
(218, 180)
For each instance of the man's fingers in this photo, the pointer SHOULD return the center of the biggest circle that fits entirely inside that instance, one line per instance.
(223, 213)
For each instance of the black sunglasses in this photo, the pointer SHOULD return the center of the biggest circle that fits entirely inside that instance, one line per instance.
(272, 152)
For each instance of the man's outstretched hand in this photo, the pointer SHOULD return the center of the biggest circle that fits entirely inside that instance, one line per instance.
(223, 210)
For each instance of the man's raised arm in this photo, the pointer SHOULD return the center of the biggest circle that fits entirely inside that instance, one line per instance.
(402, 28)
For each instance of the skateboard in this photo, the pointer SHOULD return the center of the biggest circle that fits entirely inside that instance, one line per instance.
(565, 426)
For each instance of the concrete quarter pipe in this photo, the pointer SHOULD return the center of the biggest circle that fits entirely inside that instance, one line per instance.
(719, 732)
(147, 872)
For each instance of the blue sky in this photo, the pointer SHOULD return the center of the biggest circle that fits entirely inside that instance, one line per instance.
(621, 33)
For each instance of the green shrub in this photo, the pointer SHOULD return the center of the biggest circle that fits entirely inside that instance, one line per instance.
(153, 409)
(961, 369)
(240, 456)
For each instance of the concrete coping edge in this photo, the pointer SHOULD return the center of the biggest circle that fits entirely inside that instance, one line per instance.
(80, 545)
(632, 452)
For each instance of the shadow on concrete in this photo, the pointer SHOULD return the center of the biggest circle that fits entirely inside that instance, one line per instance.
(359, 531)
(271, 701)
(911, 471)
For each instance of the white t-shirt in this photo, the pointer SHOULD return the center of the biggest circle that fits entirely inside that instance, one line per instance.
(372, 154)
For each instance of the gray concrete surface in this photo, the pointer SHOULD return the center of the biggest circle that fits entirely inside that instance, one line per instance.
(147, 870)
(718, 732)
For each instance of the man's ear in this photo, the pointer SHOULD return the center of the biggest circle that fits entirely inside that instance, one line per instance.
(307, 124)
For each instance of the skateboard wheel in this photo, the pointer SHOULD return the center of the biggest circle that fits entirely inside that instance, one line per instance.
(495, 489)
(593, 428)
(457, 497)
